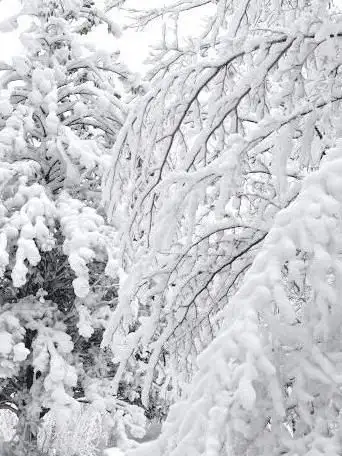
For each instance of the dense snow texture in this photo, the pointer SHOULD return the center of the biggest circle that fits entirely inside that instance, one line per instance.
(183, 247)
(225, 189)
(206, 158)
(267, 383)
(60, 113)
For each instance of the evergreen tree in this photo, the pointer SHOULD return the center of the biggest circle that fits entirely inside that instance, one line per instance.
(60, 111)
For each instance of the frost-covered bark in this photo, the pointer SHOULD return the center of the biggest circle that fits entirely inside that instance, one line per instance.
(220, 143)
(60, 112)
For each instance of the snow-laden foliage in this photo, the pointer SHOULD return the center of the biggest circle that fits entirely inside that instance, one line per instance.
(234, 120)
(60, 112)
(270, 383)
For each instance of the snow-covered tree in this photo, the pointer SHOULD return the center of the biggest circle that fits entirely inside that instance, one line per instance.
(270, 383)
(214, 161)
(60, 112)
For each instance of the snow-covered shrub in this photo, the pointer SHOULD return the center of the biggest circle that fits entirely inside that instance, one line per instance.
(88, 429)
(8, 422)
